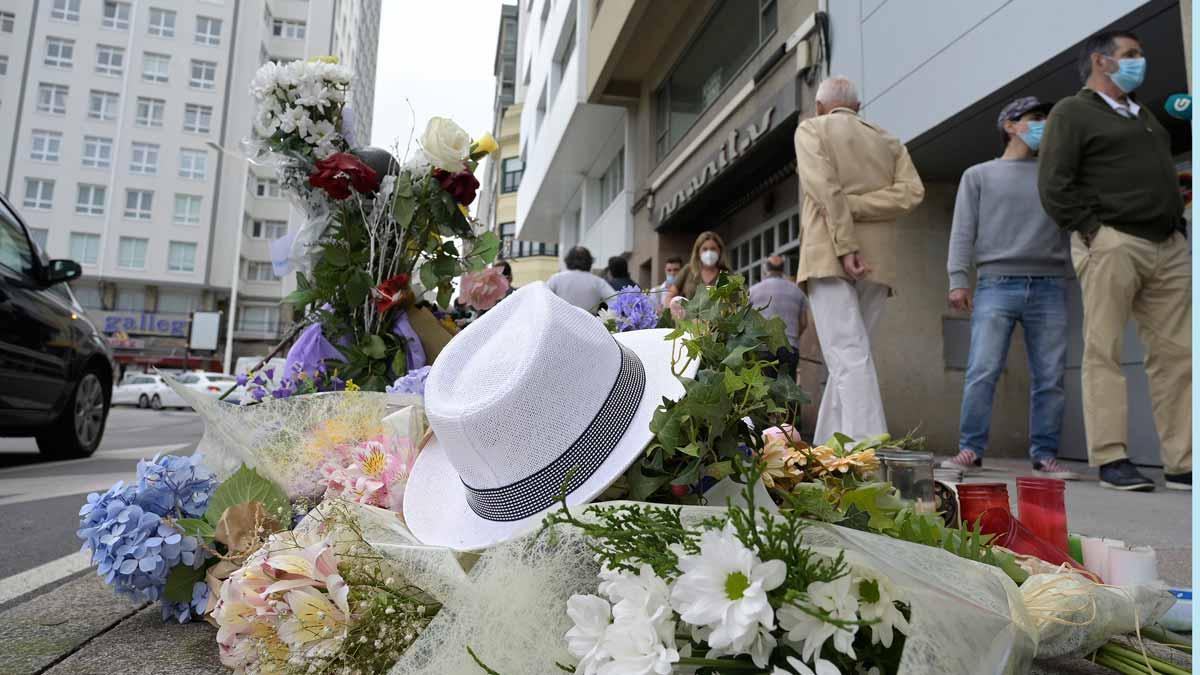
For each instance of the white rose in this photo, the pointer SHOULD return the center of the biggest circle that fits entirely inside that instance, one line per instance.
(446, 144)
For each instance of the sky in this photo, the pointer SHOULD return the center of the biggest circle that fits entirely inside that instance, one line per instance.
(438, 57)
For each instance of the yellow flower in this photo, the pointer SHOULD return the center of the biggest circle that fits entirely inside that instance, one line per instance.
(324, 59)
(350, 386)
(484, 145)
(784, 464)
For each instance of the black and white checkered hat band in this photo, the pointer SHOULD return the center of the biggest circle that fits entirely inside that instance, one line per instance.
(538, 491)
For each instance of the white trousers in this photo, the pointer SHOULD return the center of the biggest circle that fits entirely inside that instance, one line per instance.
(845, 313)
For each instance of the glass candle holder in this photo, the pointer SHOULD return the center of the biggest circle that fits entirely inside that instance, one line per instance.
(911, 473)
(975, 498)
(1041, 508)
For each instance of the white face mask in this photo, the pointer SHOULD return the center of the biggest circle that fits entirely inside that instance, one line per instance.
(709, 257)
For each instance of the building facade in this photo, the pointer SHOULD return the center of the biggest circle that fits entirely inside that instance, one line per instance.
(123, 126)
(497, 205)
(710, 94)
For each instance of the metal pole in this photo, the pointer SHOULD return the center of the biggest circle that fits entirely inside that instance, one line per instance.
(237, 258)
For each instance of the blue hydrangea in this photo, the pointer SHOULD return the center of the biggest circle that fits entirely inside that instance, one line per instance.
(131, 538)
(412, 382)
(634, 310)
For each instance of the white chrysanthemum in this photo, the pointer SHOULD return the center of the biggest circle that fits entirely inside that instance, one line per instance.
(266, 78)
(641, 594)
(585, 640)
(798, 667)
(724, 588)
(887, 617)
(637, 646)
(838, 599)
(321, 133)
(291, 118)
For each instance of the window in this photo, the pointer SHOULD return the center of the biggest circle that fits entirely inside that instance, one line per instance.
(85, 248)
(39, 235)
(197, 118)
(187, 209)
(260, 271)
(511, 170)
(204, 75)
(258, 318)
(7, 19)
(102, 105)
(139, 204)
(174, 302)
(46, 146)
(88, 297)
(181, 256)
(162, 22)
(110, 60)
(3, 64)
(39, 194)
(143, 159)
(267, 187)
(97, 152)
(290, 30)
(150, 112)
(131, 254)
(508, 232)
(267, 229)
(65, 10)
(208, 31)
(60, 52)
(731, 36)
(131, 299)
(612, 183)
(90, 200)
(116, 15)
(193, 164)
(155, 67)
(52, 98)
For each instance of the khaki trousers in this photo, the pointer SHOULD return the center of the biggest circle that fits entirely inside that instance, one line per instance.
(1123, 275)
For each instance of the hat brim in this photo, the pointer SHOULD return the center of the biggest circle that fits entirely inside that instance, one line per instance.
(435, 503)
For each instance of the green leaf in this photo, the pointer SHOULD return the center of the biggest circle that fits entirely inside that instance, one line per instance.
(196, 527)
(302, 281)
(429, 278)
(445, 266)
(357, 288)
(374, 347)
(403, 211)
(487, 246)
(246, 485)
(300, 297)
(400, 362)
(443, 295)
(336, 256)
(180, 580)
(642, 486)
(691, 449)
(736, 356)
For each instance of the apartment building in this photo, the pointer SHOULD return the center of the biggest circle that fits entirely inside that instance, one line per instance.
(123, 126)
(711, 93)
(497, 201)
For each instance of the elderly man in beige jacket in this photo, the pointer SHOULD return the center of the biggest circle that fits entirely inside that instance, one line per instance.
(855, 180)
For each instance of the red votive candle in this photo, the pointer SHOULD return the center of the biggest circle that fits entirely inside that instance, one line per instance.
(975, 498)
(1041, 508)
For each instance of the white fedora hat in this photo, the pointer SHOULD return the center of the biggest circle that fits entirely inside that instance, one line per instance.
(535, 390)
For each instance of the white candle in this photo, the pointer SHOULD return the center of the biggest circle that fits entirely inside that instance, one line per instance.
(1095, 555)
(1132, 567)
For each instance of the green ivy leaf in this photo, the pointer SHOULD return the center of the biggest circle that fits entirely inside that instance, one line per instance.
(642, 486)
(737, 356)
(196, 527)
(180, 580)
(246, 485)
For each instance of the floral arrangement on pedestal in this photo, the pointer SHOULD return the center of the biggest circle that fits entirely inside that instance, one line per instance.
(378, 235)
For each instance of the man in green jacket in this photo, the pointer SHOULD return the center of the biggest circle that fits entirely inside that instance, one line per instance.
(1107, 175)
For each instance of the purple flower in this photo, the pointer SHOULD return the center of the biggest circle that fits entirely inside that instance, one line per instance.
(412, 382)
(258, 394)
(270, 373)
(633, 309)
(241, 380)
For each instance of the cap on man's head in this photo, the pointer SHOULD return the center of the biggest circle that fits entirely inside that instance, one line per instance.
(1024, 105)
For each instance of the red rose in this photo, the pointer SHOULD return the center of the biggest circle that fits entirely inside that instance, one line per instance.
(338, 172)
(391, 292)
(461, 185)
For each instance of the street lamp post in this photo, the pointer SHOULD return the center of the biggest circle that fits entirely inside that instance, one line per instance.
(237, 257)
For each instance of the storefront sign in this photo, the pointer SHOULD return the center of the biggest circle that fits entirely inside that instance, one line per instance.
(738, 142)
(174, 325)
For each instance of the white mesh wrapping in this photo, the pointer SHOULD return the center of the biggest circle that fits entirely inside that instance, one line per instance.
(509, 607)
(504, 397)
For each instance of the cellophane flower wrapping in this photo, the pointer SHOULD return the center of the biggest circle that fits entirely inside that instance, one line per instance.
(287, 440)
(509, 603)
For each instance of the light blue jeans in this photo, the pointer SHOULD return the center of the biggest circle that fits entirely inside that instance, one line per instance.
(1040, 305)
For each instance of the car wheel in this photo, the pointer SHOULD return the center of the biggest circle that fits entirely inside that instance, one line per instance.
(80, 427)
(143, 402)
(156, 403)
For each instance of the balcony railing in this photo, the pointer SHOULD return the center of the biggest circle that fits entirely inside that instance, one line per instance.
(517, 248)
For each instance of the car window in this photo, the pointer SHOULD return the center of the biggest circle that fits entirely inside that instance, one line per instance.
(15, 251)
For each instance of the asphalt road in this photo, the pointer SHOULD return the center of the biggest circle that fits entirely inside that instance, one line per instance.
(39, 500)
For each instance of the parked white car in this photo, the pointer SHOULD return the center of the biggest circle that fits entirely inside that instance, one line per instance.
(209, 384)
(146, 391)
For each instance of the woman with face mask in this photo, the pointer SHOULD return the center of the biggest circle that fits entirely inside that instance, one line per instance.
(706, 264)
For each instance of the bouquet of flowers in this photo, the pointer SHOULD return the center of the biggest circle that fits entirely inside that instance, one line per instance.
(630, 309)
(372, 472)
(739, 592)
(789, 460)
(378, 234)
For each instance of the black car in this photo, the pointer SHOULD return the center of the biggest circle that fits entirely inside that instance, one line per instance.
(56, 369)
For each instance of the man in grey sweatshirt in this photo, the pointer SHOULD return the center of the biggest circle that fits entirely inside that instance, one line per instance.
(1021, 257)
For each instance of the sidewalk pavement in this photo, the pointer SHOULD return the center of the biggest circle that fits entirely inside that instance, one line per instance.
(78, 627)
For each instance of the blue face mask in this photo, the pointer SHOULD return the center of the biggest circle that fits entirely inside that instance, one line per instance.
(1033, 137)
(670, 279)
(1129, 75)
